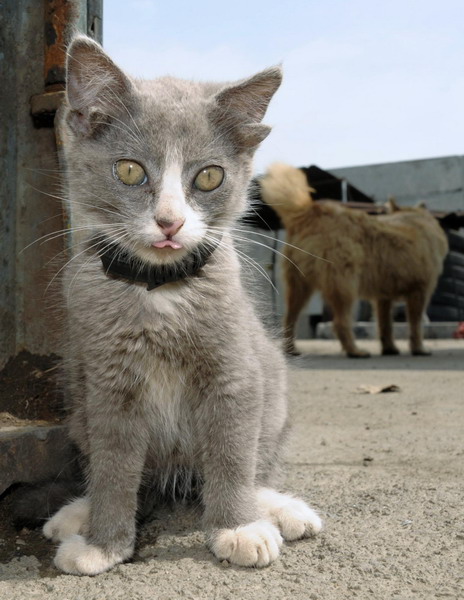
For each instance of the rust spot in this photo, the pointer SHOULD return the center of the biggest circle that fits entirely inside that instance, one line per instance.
(58, 17)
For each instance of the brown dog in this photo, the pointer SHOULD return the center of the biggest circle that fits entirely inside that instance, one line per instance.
(380, 259)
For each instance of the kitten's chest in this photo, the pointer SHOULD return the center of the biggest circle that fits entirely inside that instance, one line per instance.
(168, 409)
(167, 325)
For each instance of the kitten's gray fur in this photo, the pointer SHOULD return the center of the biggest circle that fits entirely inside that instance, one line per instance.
(181, 378)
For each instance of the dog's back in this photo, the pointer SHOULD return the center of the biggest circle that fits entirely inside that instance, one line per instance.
(387, 254)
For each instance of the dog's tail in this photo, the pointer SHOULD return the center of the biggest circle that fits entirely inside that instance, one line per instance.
(285, 189)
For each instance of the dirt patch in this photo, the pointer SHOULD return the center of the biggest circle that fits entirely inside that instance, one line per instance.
(30, 395)
(15, 544)
(30, 390)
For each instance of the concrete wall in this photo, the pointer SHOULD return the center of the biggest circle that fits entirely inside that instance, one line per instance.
(439, 182)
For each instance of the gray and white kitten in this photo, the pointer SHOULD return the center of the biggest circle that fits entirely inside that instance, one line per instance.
(181, 378)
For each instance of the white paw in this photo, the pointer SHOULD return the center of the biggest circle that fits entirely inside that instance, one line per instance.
(294, 518)
(69, 520)
(77, 557)
(253, 545)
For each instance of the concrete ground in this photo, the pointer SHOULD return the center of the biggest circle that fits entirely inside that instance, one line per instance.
(385, 470)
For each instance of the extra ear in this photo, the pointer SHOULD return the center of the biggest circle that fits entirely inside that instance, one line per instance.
(391, 205)
(95, 86)
(240, 107)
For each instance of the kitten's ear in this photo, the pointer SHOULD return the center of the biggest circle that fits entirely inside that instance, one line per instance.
(95, 86)
(240, 107)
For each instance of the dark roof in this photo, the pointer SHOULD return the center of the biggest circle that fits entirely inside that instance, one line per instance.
(327, 186)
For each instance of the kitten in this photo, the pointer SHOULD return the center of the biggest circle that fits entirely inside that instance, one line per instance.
(170, 372)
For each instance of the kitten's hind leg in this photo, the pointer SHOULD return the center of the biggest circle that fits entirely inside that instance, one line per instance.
(71, 519)
(293, 517)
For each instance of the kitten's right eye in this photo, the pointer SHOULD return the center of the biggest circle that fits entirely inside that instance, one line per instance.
(129, 172)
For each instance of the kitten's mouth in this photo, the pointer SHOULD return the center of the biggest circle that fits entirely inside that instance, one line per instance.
(167, 243)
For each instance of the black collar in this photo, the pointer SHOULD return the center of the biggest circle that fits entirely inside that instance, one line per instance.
(119, 262)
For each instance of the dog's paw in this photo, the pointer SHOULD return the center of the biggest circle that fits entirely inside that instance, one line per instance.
(358, 353)
(390, 351)
(69, 520)
(254, 545)
(420, 352)
(294, 518)
(77, 557)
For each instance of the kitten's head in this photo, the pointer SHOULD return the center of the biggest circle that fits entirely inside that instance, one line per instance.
(159, 166)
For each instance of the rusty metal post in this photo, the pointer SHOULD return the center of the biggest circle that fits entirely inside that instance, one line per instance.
(61, 19)
(33, 39)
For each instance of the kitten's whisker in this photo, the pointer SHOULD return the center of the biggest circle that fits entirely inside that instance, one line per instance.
(275, 239)
(69, 248)
(38, 170)
(110, 230)
(247, 259)
(56, 174)
(98, 208)
(86, 249)
(104, 247)
(68, 231)
(251, 241)
(252, 209)
(57, 216)
(71, 202)
(253, 263)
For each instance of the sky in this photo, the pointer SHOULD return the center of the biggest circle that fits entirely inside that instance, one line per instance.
(365, 81)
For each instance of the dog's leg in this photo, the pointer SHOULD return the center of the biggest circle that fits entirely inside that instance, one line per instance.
(416, 303)
(385, 324)
(298, 292)
(341, 302)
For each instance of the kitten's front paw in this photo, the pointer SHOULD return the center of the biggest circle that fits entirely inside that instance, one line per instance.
(294, 518)
(77, 557)
(254, 545)
(69, 520)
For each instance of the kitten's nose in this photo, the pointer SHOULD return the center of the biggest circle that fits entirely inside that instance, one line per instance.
(170, 227)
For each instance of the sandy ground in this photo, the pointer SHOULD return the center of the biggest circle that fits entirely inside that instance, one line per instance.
(384, 470)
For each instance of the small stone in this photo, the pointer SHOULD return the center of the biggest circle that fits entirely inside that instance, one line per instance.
(147, 552)
(406, 523)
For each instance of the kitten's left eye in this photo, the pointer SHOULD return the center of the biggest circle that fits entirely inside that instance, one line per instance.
(129, 172)
(209, 179)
